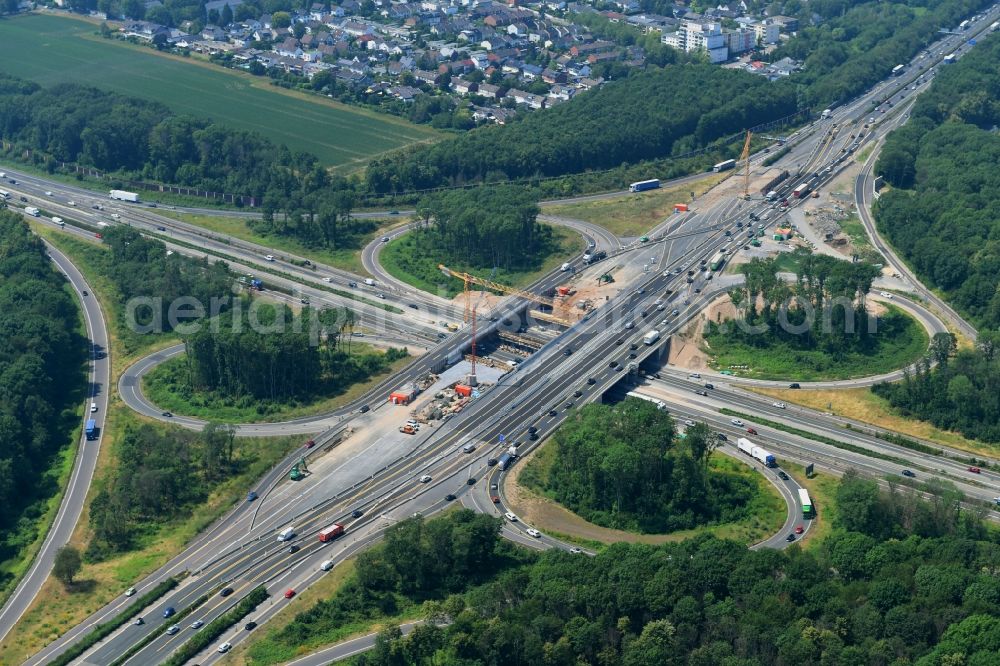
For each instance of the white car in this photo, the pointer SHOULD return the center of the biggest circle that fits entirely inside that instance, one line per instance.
(129, 592)
(694, 375)
(173, 630)
(93, 407)
(225, 647)
(533, 532)
(885, 294)
(688, 422)
(511, 517)
(326, 279)
(426, 478)
(575, 550)
(630, 325)
(736, 422)
(70, 203)
(385, 239)
(779, 405)
(197, 624)
(48, 193)
(269, 257)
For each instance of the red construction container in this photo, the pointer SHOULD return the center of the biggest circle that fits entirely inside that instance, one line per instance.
(463, 390)
(680, 208)
(402, 396)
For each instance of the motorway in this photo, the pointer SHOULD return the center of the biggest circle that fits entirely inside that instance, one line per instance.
(240, 550)
(87, 452)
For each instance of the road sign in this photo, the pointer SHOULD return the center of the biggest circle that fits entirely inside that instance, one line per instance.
(502, 438)
(809, 470)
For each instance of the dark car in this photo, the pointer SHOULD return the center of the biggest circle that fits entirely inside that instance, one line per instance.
(908, 473)
(591, 381)
(169, 611)
(352, 284)
(357, 513)
(251, 496)
(577, 394)
(782, 476)
(449, 497)
(532, 436)
(168, 414)
(364, 408)
(643, 314)
(567, 351)
(293, 548)
(633, 346)
(710, 386)
(412, 305)
(790, 537)
(568, 405)
(613, 364)
(310, 443)
(631, 355)
(532, 428)
(491, 462)
(701, 392)
(722, 437)
(250, 626)
(442, 336)
(225, 592)
(161, 228)
(619, 341)
(794, 385)
(552, 412)
(471, 481)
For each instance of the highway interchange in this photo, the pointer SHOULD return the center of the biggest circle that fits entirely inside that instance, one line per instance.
(240, 550)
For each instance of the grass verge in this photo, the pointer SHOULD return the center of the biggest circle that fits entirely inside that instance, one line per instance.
(823, 492)
(860, 404)
(107, 628)
(163, 386)
(524, 491)
(901, 341)
(405, 261)
(635, 214)
(347, 258)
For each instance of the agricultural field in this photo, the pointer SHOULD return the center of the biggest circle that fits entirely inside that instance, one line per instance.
(53, 49)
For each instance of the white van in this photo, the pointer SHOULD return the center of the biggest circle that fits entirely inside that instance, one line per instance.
(370, 282)
(286, 534)
(326, 565)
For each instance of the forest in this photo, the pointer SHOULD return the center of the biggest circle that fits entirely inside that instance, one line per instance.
(654, 113)
(272, 355)
(42, 382)
(418, 561)
(161, 474)
(625, 467)
(141, 268)
(943, 211)
(899, 581)
(961, 392)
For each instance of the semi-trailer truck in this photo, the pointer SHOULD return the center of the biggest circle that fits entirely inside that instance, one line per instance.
(592, 257)
(331, 533)
(756, 452)
(122, 195)
(505, 460)
(91, 429)
(801, 191)
(643, 185)
(724, 166)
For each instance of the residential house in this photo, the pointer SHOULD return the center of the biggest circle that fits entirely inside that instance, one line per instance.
(461, 86)
(489, 91)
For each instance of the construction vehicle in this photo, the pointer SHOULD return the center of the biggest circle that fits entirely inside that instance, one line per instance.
(407, 429)
(605, 279)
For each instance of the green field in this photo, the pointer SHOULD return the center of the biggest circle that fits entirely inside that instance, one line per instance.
(53, 49)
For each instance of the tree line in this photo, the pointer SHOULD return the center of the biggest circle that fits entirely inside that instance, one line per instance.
(144, 140)
(269, 354)
(625, 467)
(42, 381)
(899, 581)
(943, 213)
(959, 393)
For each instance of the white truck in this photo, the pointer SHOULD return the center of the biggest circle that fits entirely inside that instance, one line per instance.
(651, 337)
(59, 221)
(32, 211)
(827, 113)
(122, 195)
(286, 534)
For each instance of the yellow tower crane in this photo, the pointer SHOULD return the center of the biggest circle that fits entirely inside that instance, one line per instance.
(745, 156)
(468, 279)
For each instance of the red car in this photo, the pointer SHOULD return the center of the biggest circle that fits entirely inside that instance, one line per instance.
(496, 499)
(751, 431)
(799, 530)
(98, 236)
(289, 593)
(311, 443)
(975, 470)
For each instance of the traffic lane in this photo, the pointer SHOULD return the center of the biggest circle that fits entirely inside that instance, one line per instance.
(74, 497)
(930, 465)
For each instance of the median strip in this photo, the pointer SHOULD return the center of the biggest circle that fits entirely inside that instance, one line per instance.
(156, 633)
(105, 629)
(216, 627)
(853, 448)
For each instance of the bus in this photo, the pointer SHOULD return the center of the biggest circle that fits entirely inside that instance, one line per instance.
(717, 261)
(724, 166)
(897, 70)
(806, 502)
(643, 185)
(659, 403)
